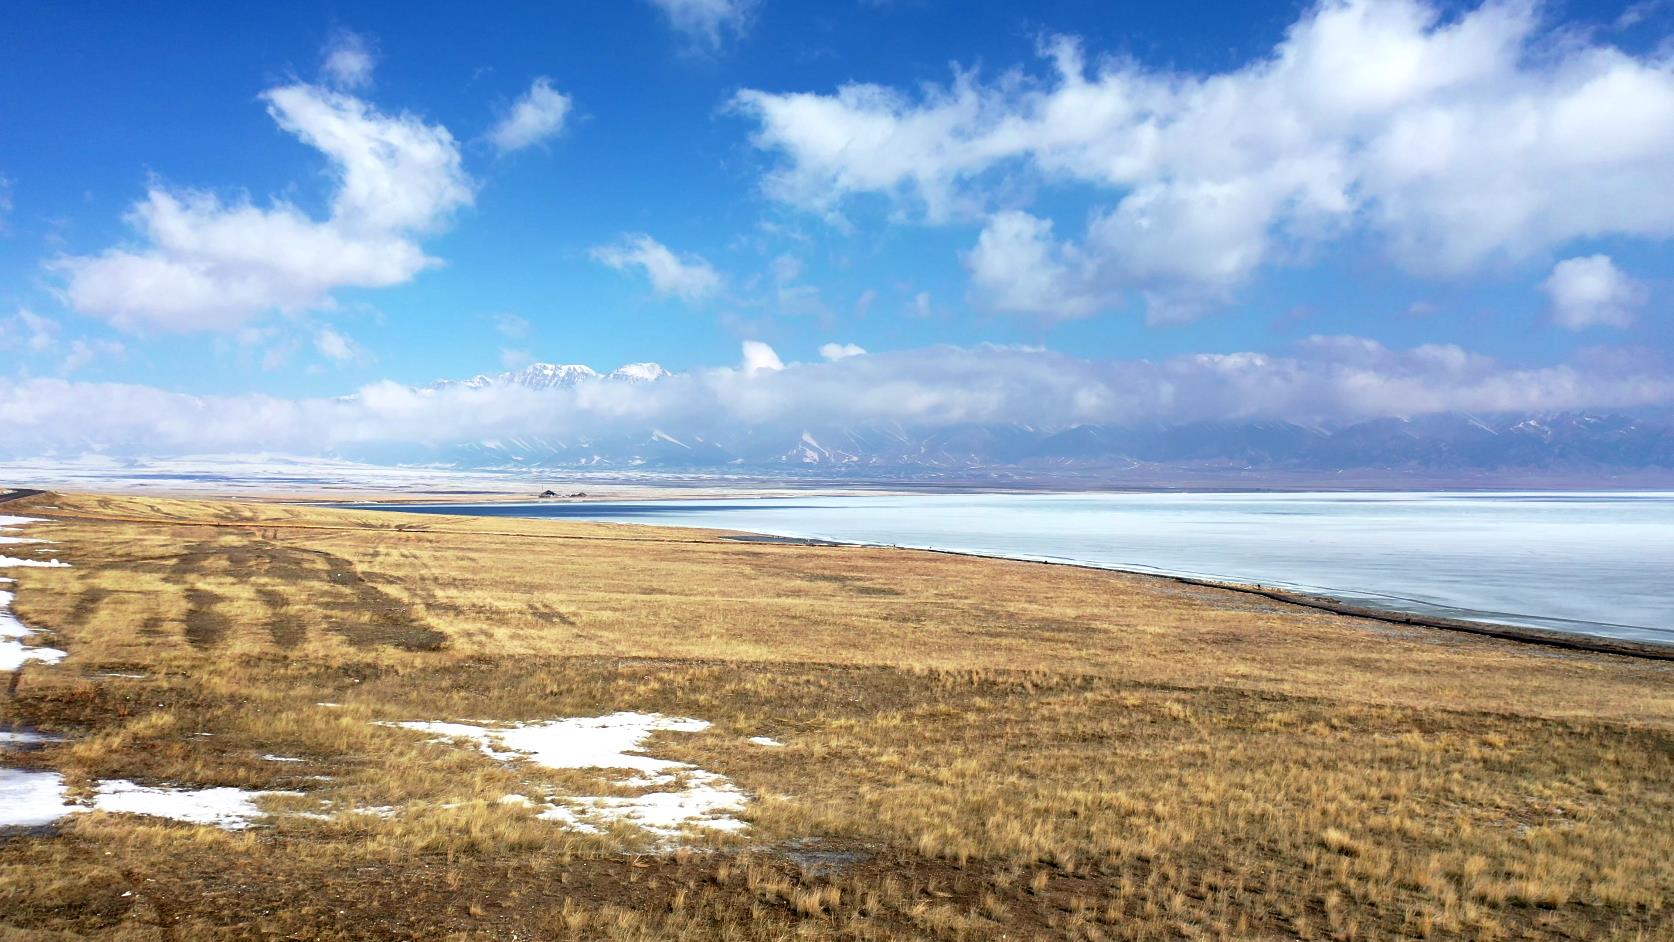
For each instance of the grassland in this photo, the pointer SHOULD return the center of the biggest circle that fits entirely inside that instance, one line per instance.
(974, 749)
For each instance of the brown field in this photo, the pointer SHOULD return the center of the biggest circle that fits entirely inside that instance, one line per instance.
(974, 749)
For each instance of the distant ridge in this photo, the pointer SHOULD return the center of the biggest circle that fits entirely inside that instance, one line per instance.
(1584, 444)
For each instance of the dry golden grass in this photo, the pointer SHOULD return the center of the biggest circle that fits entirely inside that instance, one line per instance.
(973, 749)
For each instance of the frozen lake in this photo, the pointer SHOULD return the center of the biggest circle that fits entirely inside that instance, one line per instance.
(1596, 563)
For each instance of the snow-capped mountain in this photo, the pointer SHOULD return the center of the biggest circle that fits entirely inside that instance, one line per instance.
(557, 376)
(1587, 444)
(639, 373)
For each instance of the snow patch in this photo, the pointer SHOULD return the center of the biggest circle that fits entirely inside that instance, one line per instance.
(765, 741)
(31, 799)
(231, 809)
(36, 799)
(13, 654)
(12, 562)
(684, 795)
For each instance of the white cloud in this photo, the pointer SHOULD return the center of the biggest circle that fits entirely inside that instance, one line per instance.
(210, 264)
(1326, 380)
(40, 336)
(1018, 267)
(83, 352)
(841, 351)
(1590, 291)
(705, 23)
(347, 61)
(30, 331)
(536, 116)
(1455, 140)
(759, 357)
(334, 345)
(688, 277)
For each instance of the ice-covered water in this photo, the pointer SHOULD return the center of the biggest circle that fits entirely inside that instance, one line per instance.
(1596, 563)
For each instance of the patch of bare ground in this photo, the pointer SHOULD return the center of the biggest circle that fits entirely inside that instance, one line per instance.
(972, 749)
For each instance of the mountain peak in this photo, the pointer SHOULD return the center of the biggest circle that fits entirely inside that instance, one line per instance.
(557, 376)
(639, 372)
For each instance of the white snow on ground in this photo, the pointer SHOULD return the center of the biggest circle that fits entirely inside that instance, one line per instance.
(273, 758)
(231, 809)
(765, 741)
(35, 799)
(12, 562)
(31, 799)
(708, 800)
(6, 539)
(686, 795)
(13, 654)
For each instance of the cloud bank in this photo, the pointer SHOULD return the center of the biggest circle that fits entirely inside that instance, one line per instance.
(1453, 141)
(1325, 380)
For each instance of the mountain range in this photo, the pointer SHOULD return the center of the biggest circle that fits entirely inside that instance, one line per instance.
(1580, 444)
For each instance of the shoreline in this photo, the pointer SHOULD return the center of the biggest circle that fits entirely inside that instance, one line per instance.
(1552, 638)
(1505, 631)
(1574, 641)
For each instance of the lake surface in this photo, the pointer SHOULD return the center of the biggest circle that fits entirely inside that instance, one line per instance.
(1591, 563)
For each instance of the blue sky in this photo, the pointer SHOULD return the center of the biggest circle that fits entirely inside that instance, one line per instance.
(1113, 183)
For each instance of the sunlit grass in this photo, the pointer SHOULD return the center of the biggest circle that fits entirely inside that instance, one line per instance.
(978, 749)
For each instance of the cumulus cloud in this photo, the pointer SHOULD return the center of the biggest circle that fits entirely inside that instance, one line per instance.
(1454, 140)
(536, 116)
(759, 357)
(205, 263)
(688, 277)
(1590, 291)
(841, 351)
(706, 23)
(1018, 267)
(1325, 380)
(347, 61)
